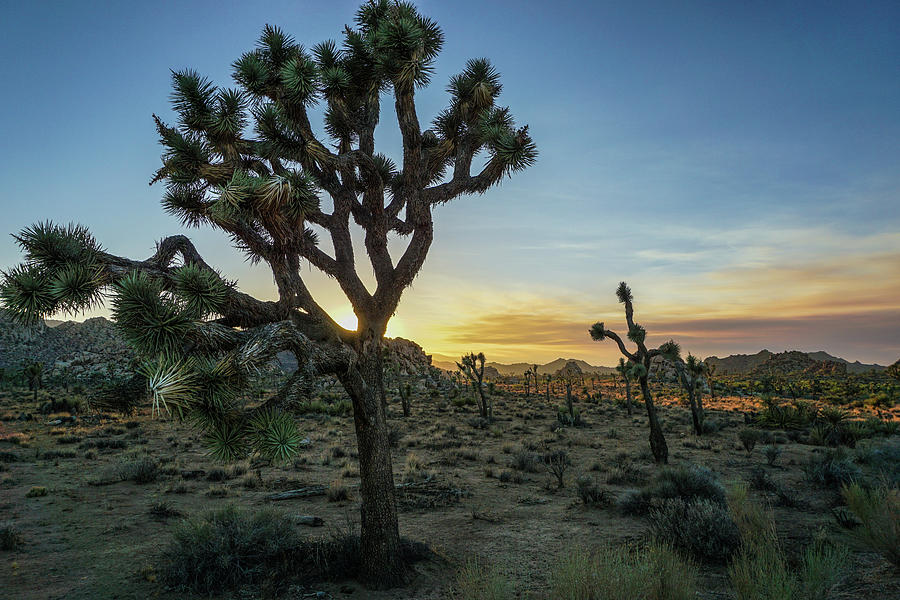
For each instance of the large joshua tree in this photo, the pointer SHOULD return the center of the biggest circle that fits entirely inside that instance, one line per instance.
(641, 357)
(247, 161)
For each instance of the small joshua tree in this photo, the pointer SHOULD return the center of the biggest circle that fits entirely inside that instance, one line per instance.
(569, 376)
(34, 377)
(405, 391)
(629, 371)
(558, 462)
(691, 373)
(640, 356)
(472, 366)
(249, 162)
(527, 383)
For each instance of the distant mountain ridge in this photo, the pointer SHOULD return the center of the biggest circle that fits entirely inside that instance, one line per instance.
(449, 364)
(735, 364)
(742, 364)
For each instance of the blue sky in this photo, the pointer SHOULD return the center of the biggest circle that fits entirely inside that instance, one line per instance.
(737, 163)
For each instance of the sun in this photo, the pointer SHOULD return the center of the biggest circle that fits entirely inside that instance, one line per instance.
(348, 320)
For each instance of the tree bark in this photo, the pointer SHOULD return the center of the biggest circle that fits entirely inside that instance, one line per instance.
(657, 440)
(382, 563)
(628, 396)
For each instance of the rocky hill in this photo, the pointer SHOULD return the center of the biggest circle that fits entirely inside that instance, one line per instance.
(786, 362)
(74, 350)
(94, 347)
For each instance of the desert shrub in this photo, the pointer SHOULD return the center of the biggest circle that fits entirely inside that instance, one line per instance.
(558, 462)
(8, 457)
(163, 510)
(701, 528)
(337, 491)
(878, 511)
(760, 480)
(58, 405)
(748, 438)
(882, 459)
(123, 396)
(217, 474)
(590, 492)
(414, 469)
(688, 482)
(10, 538)
(104, 443)
(318, 406)
(832, 468)
(141, 470)
(623, 573)
(36, 491)
(510, 477)
(822, 568)
(772, 453)
(229, 548)
(478, 581)
(527, 461)
(761, 571)
(625, 473)
(54, 454)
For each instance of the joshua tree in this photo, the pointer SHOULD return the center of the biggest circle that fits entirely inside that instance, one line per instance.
(527, 383)
(628, 370)
(247, 161)
(691, 373)
(472, 366)
(711, 369)
(641, 356)
(569, 376)
(405, 391)
(893, 371)
(34, 377)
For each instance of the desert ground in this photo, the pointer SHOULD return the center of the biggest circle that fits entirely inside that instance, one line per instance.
(467, 490)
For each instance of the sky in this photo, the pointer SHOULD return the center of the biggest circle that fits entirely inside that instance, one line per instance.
(738, 164)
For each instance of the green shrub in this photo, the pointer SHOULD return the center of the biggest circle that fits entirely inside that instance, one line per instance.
(688, 482)
(748, 438)
(527, 461)
(832, 468)
(878, 510)
(36, 491)
(701, 528)
(772, 453)
(591, 494)
(10, 538)
(477, 581)
(229, 548)
(140, 470)
(623, 573)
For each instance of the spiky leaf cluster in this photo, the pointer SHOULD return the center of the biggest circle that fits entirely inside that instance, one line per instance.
(62, 272)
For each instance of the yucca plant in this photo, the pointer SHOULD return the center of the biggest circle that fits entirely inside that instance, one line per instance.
(692, 373)
(247, 161)
(641, 356)
(629, 372)
(34, 377)
(472, 366)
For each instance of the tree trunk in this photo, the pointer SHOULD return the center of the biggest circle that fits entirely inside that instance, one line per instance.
(657, 440)
(628, 397)
(382, 563)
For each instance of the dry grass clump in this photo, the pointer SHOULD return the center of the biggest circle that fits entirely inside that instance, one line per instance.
(478, 581)
(623, 573)
(878, 510)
